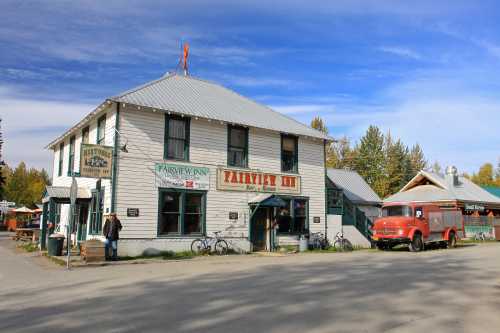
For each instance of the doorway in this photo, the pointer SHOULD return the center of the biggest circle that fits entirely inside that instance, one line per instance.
(259, 230)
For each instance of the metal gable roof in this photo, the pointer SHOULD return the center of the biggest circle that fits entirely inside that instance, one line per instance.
(465, 190)
(199, 98)
(354, 186)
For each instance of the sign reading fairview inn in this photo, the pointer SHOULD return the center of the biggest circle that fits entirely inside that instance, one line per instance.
(256, 181)
(95, 161)
(170, 175)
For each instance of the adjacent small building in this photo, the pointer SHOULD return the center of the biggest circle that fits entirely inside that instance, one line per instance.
(353, 206)
(181, 157)
(451, 191)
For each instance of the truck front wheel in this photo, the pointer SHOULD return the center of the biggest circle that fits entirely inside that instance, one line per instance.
(416, 244)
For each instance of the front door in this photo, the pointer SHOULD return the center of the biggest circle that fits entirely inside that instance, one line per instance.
(82, 222)
(259, 227)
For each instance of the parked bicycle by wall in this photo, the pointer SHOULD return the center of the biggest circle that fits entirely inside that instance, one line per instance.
(318, 241)
(207, 243)
(341, 243)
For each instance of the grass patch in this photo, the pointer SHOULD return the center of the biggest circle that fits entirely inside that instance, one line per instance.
(332, 249)
(60, 262)
(165, 255)
(28, 247)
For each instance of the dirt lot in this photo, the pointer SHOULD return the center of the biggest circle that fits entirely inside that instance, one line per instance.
(441, 290)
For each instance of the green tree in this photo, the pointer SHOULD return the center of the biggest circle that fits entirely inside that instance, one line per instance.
(436, 168)
(370, 160)
(340, 155)
(25, 187)
(397, 163)
(485, 176)
(318, 124)
(417, 160)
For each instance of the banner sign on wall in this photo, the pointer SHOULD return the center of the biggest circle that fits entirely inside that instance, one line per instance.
(95, 161)
(256, 181)
(170, 175)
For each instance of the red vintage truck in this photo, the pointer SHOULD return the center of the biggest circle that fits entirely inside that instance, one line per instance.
(417, 224)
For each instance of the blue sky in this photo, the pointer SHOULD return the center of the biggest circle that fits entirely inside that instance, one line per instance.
(428, 71)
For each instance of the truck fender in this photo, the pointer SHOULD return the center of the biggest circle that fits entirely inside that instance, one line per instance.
(413, 231)
(447, 233)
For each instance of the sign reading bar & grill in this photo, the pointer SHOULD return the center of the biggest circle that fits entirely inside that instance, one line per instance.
(170, 175)
(95, 161)
(256, 181)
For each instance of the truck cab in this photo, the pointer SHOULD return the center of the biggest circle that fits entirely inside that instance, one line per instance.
(415, 224)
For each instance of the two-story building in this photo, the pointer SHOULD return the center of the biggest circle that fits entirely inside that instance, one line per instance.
(190, 157)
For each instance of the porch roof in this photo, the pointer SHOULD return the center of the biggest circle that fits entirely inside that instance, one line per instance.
(62, 192)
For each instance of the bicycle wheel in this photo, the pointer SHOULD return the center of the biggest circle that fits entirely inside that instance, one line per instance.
(337, 245)
(347, 246)
(221, 247)
(197, 246)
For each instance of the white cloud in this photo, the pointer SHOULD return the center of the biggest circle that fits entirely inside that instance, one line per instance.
(401, 51)
(28, 125)
(454, 123)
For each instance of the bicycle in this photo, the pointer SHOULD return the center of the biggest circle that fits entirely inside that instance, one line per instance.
(341, 243)
(318, 241)
(205, 244)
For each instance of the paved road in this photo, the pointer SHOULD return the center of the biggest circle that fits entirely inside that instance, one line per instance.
(440, 291)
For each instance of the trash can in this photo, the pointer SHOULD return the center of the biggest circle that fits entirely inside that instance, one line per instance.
(303, 243)
(55, 245)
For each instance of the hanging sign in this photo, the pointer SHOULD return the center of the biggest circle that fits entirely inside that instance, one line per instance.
(95, 161)
(170, 175)
(474, 207)
(256, 181)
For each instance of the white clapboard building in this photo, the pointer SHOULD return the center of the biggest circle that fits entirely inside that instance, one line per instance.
(183, 157)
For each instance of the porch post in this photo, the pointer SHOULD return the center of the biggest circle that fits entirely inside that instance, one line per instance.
(43, 231)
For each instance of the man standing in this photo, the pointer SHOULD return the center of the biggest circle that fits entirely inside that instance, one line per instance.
(111, 231)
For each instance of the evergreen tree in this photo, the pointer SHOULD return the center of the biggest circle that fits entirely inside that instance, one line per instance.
(370, 159)
(397, 166)
(319, 124)
(341, 155)
(436, 168)
(417, 160)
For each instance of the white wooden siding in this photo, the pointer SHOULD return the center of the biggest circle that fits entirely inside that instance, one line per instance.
(144, 133)
(89, 183)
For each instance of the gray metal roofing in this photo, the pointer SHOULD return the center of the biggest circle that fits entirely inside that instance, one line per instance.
(355, 187)
(466, 191)
(63, 192)
(199, 98)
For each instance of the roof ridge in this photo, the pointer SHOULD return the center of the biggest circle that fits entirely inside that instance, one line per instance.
(144, 85)
(250, 100)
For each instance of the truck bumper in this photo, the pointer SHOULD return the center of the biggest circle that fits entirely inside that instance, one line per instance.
(391, 241)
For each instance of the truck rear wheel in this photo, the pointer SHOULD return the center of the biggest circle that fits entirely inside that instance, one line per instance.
(416, 244)
(452, 240)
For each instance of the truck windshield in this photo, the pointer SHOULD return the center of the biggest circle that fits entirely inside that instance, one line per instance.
(397, 211)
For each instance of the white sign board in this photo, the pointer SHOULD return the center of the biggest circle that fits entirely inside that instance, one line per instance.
(169, 175)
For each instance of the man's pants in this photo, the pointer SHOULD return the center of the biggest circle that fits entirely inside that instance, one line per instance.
(113, 244)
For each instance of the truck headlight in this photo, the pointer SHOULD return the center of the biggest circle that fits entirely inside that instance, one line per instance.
(401, 232)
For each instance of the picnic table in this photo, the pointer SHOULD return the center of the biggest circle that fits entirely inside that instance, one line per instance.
(27, 234)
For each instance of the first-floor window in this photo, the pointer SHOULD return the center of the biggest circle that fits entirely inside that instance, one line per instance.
(181, 212)
(292, 219)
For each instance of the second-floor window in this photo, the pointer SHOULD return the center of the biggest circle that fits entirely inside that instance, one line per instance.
(289, 154)
(101, 130)
(176, 138)
(237, 146)
(61, 157)
(85, 135)
(71, 160)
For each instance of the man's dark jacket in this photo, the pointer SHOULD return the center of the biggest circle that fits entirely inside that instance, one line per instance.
(111, 229)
